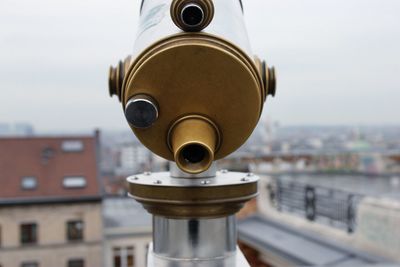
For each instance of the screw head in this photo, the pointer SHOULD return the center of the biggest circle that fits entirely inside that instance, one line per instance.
(158, 182)
(205, 182)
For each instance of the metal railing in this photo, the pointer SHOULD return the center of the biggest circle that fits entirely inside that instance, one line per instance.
(325, 205)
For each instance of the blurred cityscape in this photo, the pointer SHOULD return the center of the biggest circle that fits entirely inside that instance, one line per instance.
(329, 196)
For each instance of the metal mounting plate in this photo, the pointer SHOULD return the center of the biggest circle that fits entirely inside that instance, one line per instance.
(222, 178)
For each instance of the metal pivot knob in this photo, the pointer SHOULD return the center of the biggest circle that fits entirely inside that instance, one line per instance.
(269, 79)
(116, 77)
(141, 111)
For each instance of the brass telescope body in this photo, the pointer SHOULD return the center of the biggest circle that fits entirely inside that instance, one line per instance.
(205, 89)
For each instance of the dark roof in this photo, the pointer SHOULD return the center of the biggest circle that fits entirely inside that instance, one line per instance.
(299, 247)
(45, 159)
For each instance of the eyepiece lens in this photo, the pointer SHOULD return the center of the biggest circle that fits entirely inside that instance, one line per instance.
(194, 153)
(192, 15)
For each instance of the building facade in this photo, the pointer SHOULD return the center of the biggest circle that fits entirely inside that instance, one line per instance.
(50, 202)
(127, 233)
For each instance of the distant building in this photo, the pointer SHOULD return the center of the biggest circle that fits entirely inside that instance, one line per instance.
(127, 233)
(17, 129)
(133, 158)
(50, 202)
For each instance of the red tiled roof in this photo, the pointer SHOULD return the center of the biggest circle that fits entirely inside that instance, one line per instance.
(44, 158)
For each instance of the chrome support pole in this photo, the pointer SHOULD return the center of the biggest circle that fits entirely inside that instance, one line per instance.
(196, 242)
(194, 238)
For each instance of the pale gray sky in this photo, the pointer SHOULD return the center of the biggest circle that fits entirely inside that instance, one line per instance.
(338, 61)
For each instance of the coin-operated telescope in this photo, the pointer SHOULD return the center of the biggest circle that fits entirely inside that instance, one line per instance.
(192, 92)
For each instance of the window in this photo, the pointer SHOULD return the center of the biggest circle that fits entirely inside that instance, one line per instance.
(72, 146)
(28, 234)
(76, 263)
(29, 264)
(124, 257)
(75, 230)
(29, 183)
(74, 182)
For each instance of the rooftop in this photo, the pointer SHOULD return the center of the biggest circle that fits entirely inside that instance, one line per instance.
(48, 169)
(298, 247)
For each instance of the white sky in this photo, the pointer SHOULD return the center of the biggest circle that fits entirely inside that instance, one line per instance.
(338, 61)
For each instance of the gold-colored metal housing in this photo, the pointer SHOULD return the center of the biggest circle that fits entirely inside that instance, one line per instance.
(202, 75)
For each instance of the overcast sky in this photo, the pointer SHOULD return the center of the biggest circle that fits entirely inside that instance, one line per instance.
(338, 61)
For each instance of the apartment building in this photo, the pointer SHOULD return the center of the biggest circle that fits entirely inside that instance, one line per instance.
(127, 232)
(50, 202)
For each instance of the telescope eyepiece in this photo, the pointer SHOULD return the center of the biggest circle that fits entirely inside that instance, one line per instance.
(193, 141)
(194, 153)
(192, 15)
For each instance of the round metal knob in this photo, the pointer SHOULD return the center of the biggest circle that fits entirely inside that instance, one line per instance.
(141, 111)
(116, 77)
(269, 79)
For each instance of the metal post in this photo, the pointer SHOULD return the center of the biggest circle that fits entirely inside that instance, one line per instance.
(195, 243)
(193, 231)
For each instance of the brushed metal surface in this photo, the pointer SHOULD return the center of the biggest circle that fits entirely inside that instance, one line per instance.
(235, 260)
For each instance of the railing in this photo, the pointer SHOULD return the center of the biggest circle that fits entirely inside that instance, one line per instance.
(330, 206)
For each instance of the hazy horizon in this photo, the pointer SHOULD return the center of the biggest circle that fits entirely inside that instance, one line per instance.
(337, 61)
